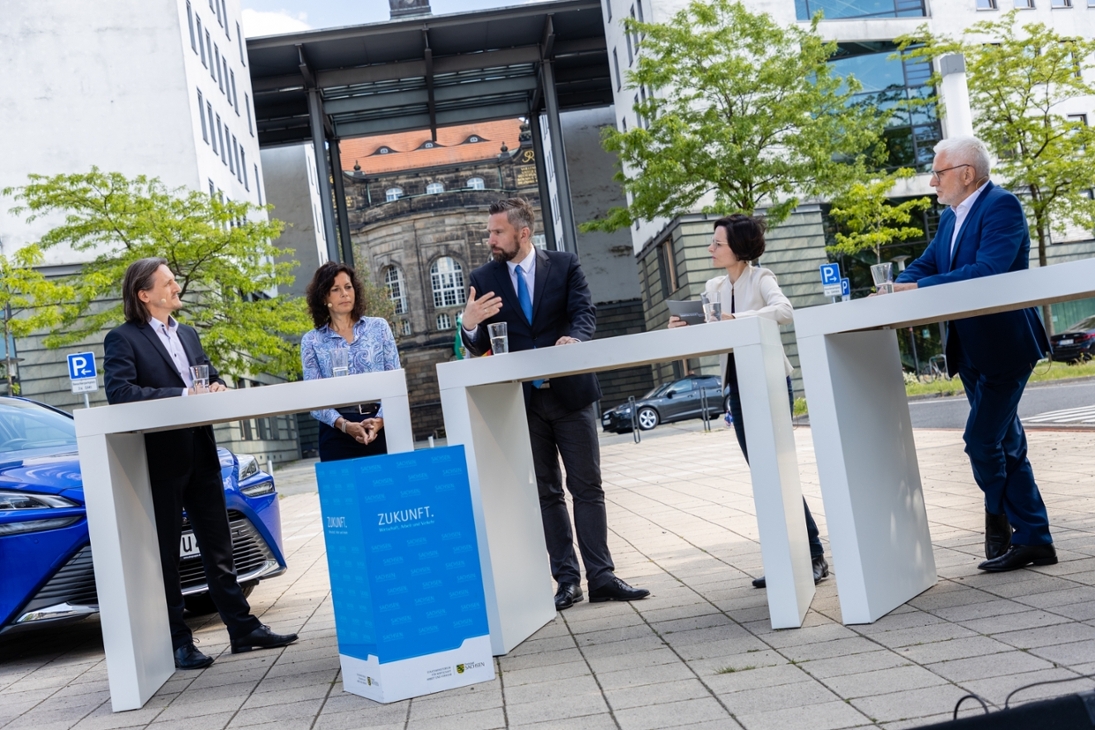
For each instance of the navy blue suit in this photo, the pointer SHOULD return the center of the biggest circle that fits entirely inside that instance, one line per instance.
(560, 416)
(993, 355)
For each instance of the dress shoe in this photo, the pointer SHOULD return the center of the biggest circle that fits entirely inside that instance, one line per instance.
(188, 657)
(567, 595)
(997, 535)
(1020, 556)
(616, 590)
(821, 571)
(261, 638)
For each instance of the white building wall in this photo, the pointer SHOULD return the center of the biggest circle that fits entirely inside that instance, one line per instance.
(114, 85)
(948, 17)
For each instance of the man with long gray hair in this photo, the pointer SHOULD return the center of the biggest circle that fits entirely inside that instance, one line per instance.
(984, 232)
(148, 358)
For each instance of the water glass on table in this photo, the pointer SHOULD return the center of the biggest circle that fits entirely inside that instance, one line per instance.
(499, 338)
(340, 362)
(712, 311)
(199, 376)
(883, 277)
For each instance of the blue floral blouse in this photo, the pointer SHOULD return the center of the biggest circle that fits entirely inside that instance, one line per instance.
(372, 350)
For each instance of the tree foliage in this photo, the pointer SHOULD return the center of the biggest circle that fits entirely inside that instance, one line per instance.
(738, 111)
(869, 220)
(1020, 78)
(220, 251)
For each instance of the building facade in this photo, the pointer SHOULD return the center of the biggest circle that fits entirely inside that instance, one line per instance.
(141, 87)
(672, 253)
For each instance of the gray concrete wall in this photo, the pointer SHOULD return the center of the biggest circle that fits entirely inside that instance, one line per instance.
(289, 175)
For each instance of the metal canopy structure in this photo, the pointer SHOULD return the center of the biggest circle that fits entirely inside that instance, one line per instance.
(427, 72)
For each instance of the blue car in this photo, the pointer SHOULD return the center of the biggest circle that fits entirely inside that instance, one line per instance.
(46, 573)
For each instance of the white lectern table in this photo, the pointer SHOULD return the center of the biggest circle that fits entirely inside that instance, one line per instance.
(862, 431)
(484, 409)
(120, 515)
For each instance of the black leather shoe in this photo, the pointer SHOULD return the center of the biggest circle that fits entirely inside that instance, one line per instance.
(261, 638)
(997, 535)
(188, 657)
(616, 590)
(567, 595)
(1020, 556)
(821, 572)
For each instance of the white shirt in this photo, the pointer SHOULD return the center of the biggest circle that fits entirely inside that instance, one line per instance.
(960, 212)
(528, 271)
(169, 336)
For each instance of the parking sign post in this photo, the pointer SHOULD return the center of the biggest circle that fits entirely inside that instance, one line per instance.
(830, 280)
(81, 373)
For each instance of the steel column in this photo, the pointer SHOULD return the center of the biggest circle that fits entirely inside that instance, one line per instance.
(558, 153)
(541, 179)
(315, 123)
(340, 204)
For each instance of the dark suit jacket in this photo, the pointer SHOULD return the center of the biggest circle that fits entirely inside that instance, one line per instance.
(561, 306)
(994, 239)
(138, 367)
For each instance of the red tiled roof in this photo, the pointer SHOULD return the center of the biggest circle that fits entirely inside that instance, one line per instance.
(452, 148)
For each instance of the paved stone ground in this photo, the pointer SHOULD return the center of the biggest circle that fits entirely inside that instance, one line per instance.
(699, 653)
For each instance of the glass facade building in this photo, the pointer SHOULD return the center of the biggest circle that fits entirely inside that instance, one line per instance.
(844, 9)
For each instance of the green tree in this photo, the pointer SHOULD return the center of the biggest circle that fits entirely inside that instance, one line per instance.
(739, 112)
(28, 301)
(1020, 77)
(868, 219)
(220, 251)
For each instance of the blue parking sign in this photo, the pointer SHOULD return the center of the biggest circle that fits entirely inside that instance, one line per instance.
(845, 287)
(830, 274)
(81, 366)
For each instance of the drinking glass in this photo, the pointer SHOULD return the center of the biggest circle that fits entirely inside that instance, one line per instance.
(199, 375)
(499, 338)
(883, 277)
(712, 312)
(340, 362)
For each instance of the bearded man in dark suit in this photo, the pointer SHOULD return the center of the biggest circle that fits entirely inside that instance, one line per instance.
(543, 298)
(149, 358)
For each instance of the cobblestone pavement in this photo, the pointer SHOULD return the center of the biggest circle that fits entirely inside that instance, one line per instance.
(699, 653)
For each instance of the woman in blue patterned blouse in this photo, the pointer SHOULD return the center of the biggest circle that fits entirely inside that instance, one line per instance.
(337, 305)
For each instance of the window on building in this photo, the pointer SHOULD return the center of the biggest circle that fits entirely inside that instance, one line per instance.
(392, 194)
(405, 328)
(201, 44)
(258, 184)
(899, 85)
(212, 190)
(393, 282)
(242, 44)
(1061, 4)
(639, 8)
(224, 77)
(243, 166)
(209, 52)
(616, 68)
(630, 50)
(220, 138)
(444, 321)
(838, 9)
(539, 240)
(447, 280)
(224, 20)
(190, 25)
(231, 151)
(986, 4)
(201, 115)
(212, 128)
(476, 183)
(235, 98)
(1024, 4)
(435, 188)
(247, 108)
(608, 7)
(239, 167)
(217, 63)
(667, 268)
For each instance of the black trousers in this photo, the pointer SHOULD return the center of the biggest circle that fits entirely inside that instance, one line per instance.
(336, 446)
(557, 432)
(184, 472)
(813, 536)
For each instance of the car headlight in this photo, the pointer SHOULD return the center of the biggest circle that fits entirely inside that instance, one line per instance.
(249, 466)
(12, 501)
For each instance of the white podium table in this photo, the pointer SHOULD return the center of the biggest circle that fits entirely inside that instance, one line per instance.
(113, 462)
(862, 431)
(484, 409)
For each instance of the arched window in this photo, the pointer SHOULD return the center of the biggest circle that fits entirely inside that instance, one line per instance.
(393, 281)
(476, 183)
(435, 188)
(393, 194)
(405, 326)
(444, 321)
(447, 279)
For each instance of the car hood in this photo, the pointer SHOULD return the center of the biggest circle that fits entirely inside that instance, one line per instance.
(42, 471)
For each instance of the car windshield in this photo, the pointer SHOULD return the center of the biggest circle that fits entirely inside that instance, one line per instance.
(25, 426)
(1083, 325)
(657, 391)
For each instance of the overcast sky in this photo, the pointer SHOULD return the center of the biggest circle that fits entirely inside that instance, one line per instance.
(268, 17)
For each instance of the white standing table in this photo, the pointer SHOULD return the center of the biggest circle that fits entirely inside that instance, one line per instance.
(862, 431)
(122, 524)
(484, 409)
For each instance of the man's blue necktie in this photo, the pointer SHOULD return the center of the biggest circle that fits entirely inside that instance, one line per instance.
(525, 301)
